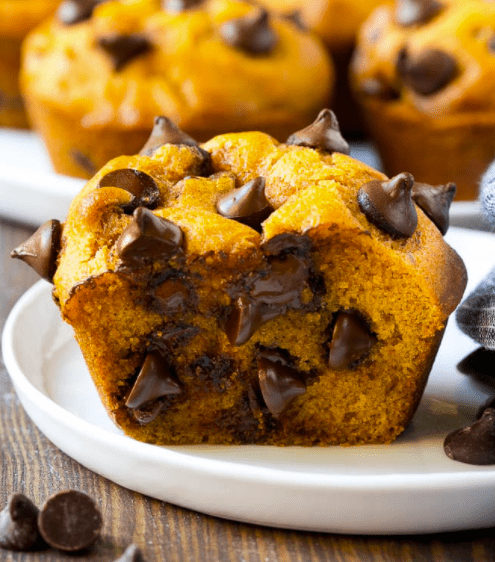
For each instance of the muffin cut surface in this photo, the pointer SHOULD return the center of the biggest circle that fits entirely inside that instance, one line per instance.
(247, 291)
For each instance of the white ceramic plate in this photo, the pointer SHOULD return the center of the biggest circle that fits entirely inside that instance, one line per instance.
(407, 487)
(31, 192)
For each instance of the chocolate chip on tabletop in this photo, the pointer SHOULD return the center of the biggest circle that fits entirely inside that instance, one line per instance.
(19, 524)
(140, 185)
(40, 251)
(122, 49)
(323, 134)
(246, 204)
(474, 444)
(416, 12)
(279, 381)
(389, 205)
(428, 72)
(70, 521)
(251, 33)
(351, 340)
(71, 12)
(148, 238)
(435, 201)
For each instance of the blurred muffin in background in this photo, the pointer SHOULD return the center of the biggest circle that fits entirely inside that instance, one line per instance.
(337, 23)
(17, 18)
(424, 73)
(95, 78)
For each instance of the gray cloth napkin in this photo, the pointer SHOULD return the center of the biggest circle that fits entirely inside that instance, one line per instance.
(476, 315)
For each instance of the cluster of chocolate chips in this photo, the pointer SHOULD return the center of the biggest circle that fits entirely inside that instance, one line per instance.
(252, 33)
(425, 73)
(475, 443)
(389, 205)
(68, 521)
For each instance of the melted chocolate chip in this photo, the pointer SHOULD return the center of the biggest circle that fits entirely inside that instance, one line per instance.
(177, 6)
(351, 341)
(474, 444)
(323, 134)
(435, 201)
(416, 12)
(18, 524)
(288, 243)
(131, 554)
(40, 251)
(70, 521)
(427, 73)
(295, 17)
(270, 295)
(389, 206)
(122, 49)
(71, 12)
(155, 380)
(251, 33)
(148, 238)
(247, 204)
(279, 382)
(140, 185)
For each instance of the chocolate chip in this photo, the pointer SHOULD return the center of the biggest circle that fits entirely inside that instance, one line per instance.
(435, 201)
(246, 204)
(40, 251)
(323, 134)
(83, 161)
(351, 341)
(416, 12)
(18, 524)
(177, 6)
(279, 382)
(251, 33)
(70, 521)
(428, 72)
(155, 380)
(271, 294)
(166, 132)
(490, 403)
(131, 554)
(474, 444)
(71, 12)
(480, 364)
(148, 238)
(122, 49)
(140, 185)
(287, 243)
(389, 206)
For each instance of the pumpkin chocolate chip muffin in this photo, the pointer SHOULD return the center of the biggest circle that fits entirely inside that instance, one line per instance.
(17, 19)
(96, 75)
(250, 291)
(424, 73)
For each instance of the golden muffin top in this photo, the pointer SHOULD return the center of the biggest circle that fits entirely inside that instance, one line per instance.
(219, 61)
(435, 58)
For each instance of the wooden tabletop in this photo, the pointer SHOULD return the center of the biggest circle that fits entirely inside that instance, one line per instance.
(30, 464)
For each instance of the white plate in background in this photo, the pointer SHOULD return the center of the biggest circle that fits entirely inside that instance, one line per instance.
(409, 486)
(31, 192)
